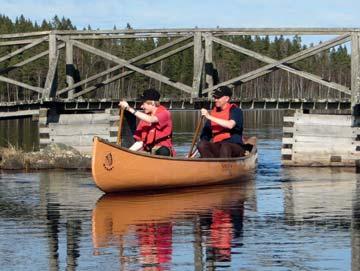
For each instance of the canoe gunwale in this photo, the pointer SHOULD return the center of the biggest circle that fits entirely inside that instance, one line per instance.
(183, 159)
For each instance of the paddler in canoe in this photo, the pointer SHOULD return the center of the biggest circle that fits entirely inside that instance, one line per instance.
(154, 131)
(222, 134)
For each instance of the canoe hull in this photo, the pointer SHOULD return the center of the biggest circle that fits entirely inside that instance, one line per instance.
(117, 169)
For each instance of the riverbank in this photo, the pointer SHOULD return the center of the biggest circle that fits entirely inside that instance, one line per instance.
(54, 156)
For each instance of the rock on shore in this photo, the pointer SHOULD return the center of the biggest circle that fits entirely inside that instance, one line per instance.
(55, 155)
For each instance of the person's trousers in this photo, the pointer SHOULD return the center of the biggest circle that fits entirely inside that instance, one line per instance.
(222, 149)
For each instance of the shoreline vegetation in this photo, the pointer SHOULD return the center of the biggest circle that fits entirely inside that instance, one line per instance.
(53, 156)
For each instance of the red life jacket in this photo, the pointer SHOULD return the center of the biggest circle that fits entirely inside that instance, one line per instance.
(221, 133)
(151, 135)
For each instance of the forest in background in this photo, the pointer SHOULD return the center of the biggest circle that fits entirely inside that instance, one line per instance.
(331, 65)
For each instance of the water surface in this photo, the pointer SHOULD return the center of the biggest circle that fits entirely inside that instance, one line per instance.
(279, 219)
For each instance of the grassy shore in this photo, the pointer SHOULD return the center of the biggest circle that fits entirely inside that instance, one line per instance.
(52, 157)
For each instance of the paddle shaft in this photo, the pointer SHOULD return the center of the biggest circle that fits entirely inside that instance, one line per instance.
(120, 125)
(197, 131)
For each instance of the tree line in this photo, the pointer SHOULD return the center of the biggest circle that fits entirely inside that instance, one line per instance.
(331, 65)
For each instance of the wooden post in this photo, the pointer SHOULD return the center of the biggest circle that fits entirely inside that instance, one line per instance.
(209, 66)
(52, 47)
(355, 73)
(51, 78)
(70, 68)
(197, 65)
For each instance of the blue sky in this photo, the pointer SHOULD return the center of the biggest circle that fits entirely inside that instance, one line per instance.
(104, 14)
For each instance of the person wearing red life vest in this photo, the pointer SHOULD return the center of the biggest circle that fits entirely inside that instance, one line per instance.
(222, 132)
(154, 131)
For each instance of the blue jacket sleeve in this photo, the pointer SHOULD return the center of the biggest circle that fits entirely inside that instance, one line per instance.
(236, 114)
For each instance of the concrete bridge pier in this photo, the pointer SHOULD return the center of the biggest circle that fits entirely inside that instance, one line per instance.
(311, 139)
(78, 130)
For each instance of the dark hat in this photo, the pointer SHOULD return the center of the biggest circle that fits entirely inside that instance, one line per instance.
(150, 94)
(222, 91)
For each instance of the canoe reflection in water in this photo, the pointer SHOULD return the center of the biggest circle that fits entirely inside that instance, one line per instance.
(214, 214)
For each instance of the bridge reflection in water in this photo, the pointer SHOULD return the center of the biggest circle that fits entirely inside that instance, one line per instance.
(328, 204)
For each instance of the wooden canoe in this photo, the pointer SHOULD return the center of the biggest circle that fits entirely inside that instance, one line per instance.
(115, 214)
(116, 169)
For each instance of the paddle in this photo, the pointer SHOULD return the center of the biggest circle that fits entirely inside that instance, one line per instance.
(120, 126)
(197, 131)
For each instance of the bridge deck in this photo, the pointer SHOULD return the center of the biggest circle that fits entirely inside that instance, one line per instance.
(24, 109)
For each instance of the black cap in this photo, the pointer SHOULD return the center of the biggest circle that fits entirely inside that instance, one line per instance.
(222, 91)
(150, 94)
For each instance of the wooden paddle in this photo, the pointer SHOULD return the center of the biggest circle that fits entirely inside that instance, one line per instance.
(120, 126)
(197, 131)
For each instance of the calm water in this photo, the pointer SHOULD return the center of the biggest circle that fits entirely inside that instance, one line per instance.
(279, 219)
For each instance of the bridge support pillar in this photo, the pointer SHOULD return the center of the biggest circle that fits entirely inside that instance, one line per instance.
(320, 140)
(78, 130)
